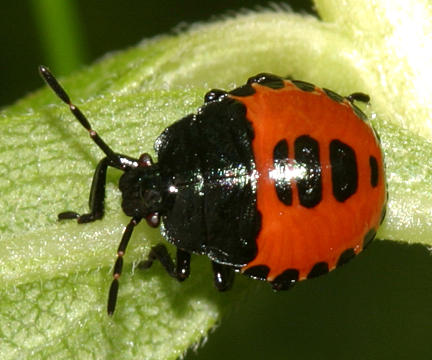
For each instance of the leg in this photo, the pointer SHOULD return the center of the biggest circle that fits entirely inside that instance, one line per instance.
(112, 297)
(97, 196)
(223, 276)
(358, 96)
(179, 271)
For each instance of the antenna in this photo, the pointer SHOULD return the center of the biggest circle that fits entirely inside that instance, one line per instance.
(97, 193)
(52, 82)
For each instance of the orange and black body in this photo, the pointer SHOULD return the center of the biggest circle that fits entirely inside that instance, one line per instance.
(277, 179)
(321, 187)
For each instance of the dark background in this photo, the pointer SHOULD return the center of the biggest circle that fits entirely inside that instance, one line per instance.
(103, 25)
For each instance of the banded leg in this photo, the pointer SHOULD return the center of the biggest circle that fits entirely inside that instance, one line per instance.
(118, 267)
(97, 197)
(223, 276)
(180, 270)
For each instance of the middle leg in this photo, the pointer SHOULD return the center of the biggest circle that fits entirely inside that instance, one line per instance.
(180, 270)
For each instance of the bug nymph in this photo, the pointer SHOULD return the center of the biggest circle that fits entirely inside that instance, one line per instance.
(277, 179)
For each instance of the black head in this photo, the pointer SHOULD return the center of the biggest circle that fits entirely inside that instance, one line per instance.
(141, 191)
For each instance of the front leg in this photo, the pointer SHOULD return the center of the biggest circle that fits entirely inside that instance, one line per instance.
(223, 276)
(180, 270)
(97, 196)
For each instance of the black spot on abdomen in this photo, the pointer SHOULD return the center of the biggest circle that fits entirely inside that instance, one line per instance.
(370, 235)
(269, 80)
(303, 85)
(257, 272)
(242, 91)
(344, 170)
(334, 96)
(306, 153)
(319, 269)
(374, 171)
(285, 280)
(282, 181)
(345, 257)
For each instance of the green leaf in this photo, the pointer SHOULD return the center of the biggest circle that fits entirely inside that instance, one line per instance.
(56, 276)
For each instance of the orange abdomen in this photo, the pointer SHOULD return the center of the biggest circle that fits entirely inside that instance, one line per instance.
(321, 188)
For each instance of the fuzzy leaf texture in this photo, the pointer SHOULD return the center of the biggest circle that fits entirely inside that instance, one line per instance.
(55, 276)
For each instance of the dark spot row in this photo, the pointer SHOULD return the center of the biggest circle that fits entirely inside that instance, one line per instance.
(268, 80)
(289, 277)
(276, 82)
(307, 171)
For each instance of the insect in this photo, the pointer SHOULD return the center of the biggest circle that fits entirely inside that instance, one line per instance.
(277, 179)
